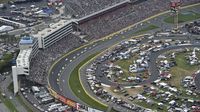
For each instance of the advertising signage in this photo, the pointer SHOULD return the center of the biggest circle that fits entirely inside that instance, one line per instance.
(71, 103)
(67, 101)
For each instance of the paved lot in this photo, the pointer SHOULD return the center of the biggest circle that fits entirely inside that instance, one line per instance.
(197, 81)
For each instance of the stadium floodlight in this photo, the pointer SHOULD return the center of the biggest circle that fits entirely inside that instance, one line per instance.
(175, 6)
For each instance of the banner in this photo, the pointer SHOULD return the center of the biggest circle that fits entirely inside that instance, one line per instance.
(71, 103)
(62, 99)
(67, 101)
(53, 93)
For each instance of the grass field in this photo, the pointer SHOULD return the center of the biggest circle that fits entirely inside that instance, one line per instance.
(4, 1)
(10, 88)
(190, 16)
(8, 103)
(181, 70)
(124, 64)
(5, 62)
(22, 102)
(77, 88)
(148, 28)
(153, 107)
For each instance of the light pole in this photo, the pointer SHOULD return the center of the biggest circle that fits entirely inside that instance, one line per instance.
(175, 6)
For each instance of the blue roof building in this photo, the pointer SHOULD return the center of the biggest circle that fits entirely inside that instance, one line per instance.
(26, 40)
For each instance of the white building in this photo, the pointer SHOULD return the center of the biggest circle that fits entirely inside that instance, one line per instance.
(29, 42)
(22, 66)
(28, 49)
(29, 46)
(54, 33)
(5, 28)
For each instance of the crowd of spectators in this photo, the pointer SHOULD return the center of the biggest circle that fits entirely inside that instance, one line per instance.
(124, 16)
(42, 62)
(80, 8)
(96, 28)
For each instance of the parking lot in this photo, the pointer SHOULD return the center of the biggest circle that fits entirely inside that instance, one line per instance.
(40, 98)
(21, 15)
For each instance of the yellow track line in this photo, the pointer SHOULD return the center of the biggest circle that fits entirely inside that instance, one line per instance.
(95, 58)
(110, 36)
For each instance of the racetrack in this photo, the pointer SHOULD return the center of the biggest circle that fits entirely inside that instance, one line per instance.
(68, 62)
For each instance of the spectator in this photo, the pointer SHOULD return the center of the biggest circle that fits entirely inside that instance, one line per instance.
(42, 62)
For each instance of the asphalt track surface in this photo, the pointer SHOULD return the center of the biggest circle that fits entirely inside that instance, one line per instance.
(73, 59)
(65, 66)
(59, 83)
(197, 81)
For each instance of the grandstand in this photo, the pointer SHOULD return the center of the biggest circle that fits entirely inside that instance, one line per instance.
(54, 33)
(80, 8)
(103, 11)
(28, 49)
(56, 39)
(41, 40)
(125, 16)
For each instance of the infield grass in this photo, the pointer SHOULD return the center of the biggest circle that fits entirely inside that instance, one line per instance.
(77, 88)
(148, 28)
(182, 70)
(8, 103)
(190, 16)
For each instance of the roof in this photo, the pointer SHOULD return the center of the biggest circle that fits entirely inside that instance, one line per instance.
(5, 28)
(35, 89)
(163, 84)
(48, 10)
(6, 20)
(23, 58)
(52, 28)
(26, 40)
